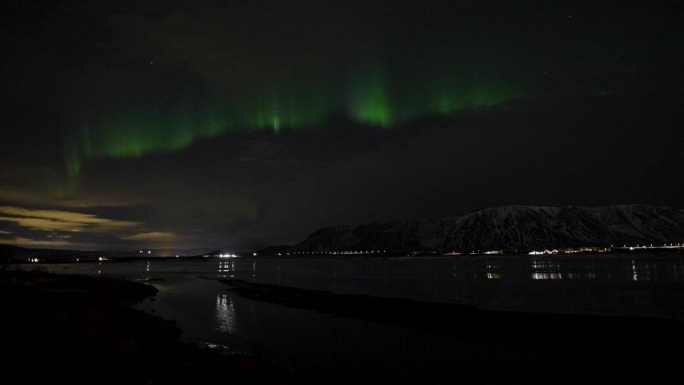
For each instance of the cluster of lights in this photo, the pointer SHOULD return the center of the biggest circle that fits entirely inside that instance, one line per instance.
(228, 255)
(571, 250)
(650, 246)
(339, 252)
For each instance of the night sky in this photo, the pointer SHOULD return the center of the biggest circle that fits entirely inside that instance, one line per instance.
(243, 124)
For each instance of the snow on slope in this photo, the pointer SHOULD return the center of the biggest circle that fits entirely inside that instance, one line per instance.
(517, 228)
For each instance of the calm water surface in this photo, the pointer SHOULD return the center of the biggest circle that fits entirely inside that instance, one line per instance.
(340, 350)
(640, 285)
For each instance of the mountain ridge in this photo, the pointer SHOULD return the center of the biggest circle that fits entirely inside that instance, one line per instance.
(514, 228)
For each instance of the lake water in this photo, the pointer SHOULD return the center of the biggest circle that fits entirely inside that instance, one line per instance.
(321, 348)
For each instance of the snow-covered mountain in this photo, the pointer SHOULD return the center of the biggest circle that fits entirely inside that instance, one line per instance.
(515, 228)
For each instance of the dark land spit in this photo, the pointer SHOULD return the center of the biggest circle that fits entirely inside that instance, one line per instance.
(564, 348)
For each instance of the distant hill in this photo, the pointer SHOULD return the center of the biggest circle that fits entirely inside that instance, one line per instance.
(510, 228)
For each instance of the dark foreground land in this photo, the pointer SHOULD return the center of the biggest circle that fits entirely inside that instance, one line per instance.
(72, 329)
(543, 348)
(79, 329)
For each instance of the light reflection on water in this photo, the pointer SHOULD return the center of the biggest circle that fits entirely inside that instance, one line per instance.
(556, 282)
(225, 314)
(656, 269)
(348, 273)
(225, 268)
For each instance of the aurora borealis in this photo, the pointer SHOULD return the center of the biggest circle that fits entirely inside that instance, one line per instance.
(242, 124)
(368, 96)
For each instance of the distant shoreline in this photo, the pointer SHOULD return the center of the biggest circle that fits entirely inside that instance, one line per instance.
(98, 257)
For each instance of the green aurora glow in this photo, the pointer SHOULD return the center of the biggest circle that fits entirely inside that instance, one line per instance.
(372, 96)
